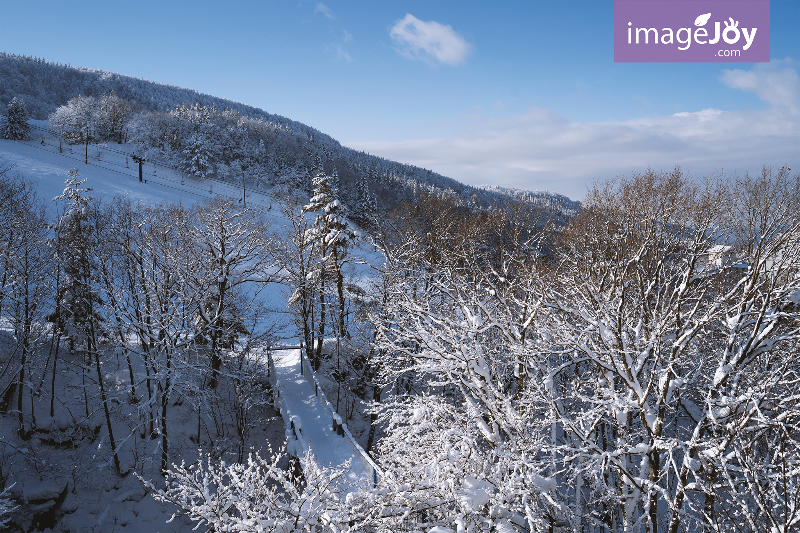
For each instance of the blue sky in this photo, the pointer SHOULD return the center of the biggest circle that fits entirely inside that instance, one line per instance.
(522, 94)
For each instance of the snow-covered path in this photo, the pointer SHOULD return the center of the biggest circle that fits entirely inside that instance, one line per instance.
(300, 400)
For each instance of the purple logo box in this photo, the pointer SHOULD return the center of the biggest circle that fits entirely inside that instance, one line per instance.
(659, 31)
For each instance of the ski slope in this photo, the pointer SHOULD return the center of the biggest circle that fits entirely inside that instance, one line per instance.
(111, 173)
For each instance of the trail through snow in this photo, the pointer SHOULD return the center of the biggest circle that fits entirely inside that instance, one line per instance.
(300, 400)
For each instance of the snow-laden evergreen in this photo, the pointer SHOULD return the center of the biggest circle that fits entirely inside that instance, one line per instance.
(15, 125)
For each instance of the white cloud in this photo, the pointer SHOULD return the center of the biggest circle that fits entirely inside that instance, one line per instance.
(775, 83)
(325, 10)
(429, 41)
(541, 150)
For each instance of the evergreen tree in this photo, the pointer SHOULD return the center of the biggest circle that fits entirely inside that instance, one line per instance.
(197, 156)
(15, 126)
(335, 182)
(78, 299)
(333, 233)
(79, 302)
(366, 204)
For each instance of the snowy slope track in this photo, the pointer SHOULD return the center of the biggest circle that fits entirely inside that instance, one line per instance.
(310, 422)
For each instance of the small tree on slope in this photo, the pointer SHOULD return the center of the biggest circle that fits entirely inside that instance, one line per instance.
(15, 126)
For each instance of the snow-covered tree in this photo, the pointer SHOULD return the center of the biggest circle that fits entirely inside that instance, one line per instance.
(334, 234)
(30, 277)
(76, 121)
(468, 441)
(79, 302)
(667, 359)
(260, 495)
(25, 275)
(366, 206)
(15, 125)
(233, 245)
(155, 273)
(642, 377)
(197, 156)
(298, 260)
(113, 114)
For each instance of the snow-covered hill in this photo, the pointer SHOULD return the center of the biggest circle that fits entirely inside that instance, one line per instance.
(44, 86)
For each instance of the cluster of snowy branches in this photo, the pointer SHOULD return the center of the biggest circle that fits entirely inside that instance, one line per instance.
(622, 378)
(260, 495)
(6, 507)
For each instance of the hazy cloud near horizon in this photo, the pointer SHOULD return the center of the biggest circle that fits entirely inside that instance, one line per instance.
(541, 150)
(429, 41)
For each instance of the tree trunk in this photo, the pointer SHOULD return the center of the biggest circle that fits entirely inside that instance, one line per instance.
(340, 290)
(373, 417)
(93, 350)
(20, 387)
(53, 382)
(321, 327)
(164, 404)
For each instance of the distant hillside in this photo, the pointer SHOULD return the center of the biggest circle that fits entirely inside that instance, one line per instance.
(45, 86)
(545, 199)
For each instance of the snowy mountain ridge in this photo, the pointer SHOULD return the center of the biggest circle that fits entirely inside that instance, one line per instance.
(45, 86)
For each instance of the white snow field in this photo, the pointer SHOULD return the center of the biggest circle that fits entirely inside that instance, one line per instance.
(110, 172)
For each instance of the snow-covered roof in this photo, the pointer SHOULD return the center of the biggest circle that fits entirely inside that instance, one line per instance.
(719, 249)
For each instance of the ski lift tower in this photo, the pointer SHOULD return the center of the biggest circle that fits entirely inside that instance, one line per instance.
(141, 161)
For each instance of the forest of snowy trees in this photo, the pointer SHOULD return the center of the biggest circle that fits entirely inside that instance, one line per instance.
(632, 370)
(620, 375)
(625, 373)
(531, 365)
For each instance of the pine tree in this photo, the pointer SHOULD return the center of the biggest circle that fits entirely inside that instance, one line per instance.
(15, 126)
(335, 182)
(365, 201)
(197, 156)
(79, 302)
(333, 233)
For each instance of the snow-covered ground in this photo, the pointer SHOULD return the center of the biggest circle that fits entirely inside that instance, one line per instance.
(301, 404)
(111, 173)
(64, 469)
